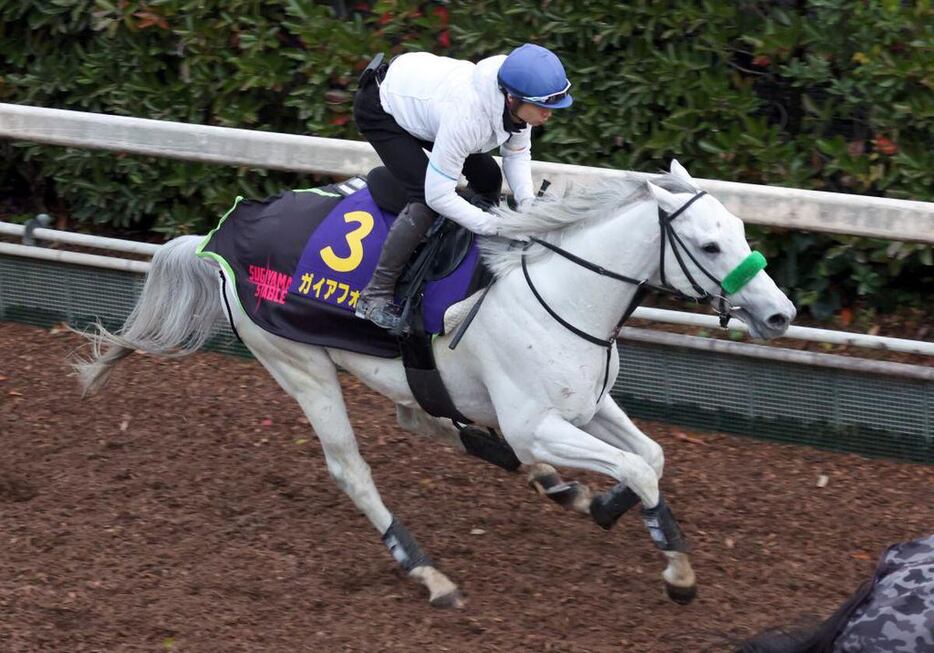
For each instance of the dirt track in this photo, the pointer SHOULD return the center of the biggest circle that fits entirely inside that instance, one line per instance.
(187, 508)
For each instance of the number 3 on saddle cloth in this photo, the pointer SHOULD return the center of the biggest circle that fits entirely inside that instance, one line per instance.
(301, 258)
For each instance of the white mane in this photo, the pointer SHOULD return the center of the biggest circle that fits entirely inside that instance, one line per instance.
(551, 217)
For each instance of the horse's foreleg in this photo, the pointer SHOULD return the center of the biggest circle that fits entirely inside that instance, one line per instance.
(613, 426)
(311, 378)
(557, 442)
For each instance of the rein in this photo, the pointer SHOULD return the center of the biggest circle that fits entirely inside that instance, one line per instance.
(734, 281)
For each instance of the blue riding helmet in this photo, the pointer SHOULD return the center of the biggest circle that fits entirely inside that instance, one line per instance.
(535, 75)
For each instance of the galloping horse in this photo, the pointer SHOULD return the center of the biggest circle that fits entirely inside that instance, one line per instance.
(536, 362)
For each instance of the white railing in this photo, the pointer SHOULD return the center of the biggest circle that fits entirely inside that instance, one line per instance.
(644, 313)
(767, 205)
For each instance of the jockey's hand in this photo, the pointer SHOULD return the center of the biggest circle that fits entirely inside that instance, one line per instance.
(520, 205)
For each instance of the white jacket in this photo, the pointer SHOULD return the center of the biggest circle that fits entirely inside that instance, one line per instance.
(458, 106)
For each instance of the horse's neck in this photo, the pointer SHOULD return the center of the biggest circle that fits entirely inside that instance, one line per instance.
(627, 245)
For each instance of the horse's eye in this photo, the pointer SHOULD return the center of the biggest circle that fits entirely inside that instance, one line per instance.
(711, 248)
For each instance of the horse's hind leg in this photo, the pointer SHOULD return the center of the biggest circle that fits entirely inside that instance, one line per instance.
(478, 443)
(469, 439)
(310, 377)
(571, 495)
(415, 420)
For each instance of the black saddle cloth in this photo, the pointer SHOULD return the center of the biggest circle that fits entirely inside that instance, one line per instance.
(300, 259)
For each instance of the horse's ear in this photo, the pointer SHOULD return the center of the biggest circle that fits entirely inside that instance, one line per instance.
(665, 199)
(679, 171)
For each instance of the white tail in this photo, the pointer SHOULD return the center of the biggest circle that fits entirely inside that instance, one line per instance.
(175, 314)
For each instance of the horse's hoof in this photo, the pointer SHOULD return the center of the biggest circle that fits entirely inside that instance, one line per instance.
(453, 599)
(681, 595)
(542, 477)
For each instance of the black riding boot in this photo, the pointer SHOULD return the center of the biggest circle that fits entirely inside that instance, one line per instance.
(376, 300)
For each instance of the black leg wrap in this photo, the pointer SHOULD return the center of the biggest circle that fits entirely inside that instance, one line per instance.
(489, 447)
(664, 528)
(403, 548)
(608, 507)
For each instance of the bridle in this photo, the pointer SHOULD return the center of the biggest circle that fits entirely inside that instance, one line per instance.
(731, 283)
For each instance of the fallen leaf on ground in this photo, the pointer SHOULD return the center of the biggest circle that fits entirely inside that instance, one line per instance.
(688, 438)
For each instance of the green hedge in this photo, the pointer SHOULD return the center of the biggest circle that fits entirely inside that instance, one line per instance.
(830, 94)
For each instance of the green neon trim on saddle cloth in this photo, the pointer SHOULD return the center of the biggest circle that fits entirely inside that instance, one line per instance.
(319, 191)
(744, 272)
(220, 260)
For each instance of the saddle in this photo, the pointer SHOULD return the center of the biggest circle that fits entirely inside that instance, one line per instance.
(446, 247)
(444, 250)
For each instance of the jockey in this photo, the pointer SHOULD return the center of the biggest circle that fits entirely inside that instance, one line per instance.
(459, 111)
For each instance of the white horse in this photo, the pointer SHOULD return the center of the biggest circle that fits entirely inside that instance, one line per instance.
(536, 363)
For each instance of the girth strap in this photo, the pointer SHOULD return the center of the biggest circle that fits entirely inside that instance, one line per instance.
(425, 380)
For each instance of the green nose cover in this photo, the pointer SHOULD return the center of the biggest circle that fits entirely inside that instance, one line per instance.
(743, 273)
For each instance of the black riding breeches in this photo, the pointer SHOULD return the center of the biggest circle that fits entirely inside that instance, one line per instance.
(404, 154)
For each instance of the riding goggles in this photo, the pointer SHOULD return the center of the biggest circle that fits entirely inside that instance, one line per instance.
(551, 98)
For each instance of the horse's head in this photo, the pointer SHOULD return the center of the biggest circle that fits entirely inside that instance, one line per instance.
(705, 251)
